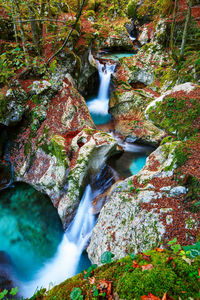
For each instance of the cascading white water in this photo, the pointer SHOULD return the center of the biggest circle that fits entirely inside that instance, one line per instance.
(66, 260)
(99, 105)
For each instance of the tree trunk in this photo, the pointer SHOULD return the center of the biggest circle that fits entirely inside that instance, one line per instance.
(174, 56)
(186, 27)
(22, 31)
(14, 23)
(35, 31)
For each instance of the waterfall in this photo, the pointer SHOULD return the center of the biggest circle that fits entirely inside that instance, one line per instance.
(66, 260)
(99, 105)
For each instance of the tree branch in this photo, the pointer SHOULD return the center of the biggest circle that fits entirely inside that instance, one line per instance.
(69, 34)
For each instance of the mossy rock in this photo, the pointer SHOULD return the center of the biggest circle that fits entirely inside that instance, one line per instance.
(58, 149)
(176, 116)
(174, 276)
(132, 9)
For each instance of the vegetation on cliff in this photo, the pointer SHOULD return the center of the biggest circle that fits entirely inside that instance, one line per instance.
(156, 274)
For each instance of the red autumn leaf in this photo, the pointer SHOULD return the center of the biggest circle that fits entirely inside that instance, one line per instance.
(105, 286)
(149, 297)
(147, 267)
(146, 257)
(135, 264)
(159, 250)
(169, 259)
(109, 288)
(167, 297)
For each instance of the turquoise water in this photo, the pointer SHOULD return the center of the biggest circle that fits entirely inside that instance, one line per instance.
(137, 164)
(117, 56)
(99, 119)
(130, 162)
(30, 229)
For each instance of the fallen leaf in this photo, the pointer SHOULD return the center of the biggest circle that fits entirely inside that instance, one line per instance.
(109, 288)
(169, 259)
(149, 297)
(135, 264)
(105, 286)
(167, 297)
(91, 280)
(147, 267)
(159, 249)
(147, 257)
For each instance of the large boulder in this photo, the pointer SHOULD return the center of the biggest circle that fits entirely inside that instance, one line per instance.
(143, 210)
(127, 106)
(12, 106)
(92, 150)
(177, 110)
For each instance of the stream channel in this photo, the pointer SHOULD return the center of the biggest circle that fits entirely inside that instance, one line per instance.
(33, 257)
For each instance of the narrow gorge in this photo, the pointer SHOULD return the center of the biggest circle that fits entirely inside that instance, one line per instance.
(99, 150)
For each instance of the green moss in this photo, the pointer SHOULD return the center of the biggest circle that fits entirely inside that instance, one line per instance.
(132, 9)
(181, 155)
(140, 283)
(132, 283)
(176, 116)
(58, 149)
(167, 139)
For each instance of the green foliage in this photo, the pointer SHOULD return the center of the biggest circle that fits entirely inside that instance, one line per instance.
(174, 246)
(193, 250)
(96, 293)
(10, 61)
(76, 294)
(5, 292)
(107, 257)
(190, 251)
(89, 271)
(132, 283)
(132, 255)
